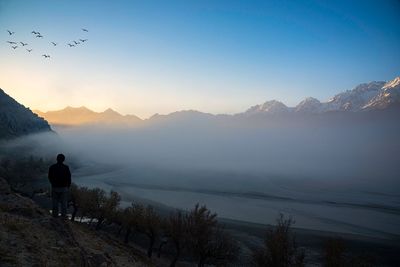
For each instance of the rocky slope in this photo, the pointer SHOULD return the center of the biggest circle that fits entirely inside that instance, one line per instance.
(29, 236)
(17, 120)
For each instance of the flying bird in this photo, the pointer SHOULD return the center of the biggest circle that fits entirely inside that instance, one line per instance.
(83, 40)
(76, 42)
(39, 36)
(29, 50)
(71, 45)
(10, 32)
(46, 56)
(54, 43)
(14, 47)
(85, 30)
(23, 44)
(11, 42)
(35, 32)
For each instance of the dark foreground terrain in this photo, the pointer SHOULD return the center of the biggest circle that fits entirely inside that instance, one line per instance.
(31, 237)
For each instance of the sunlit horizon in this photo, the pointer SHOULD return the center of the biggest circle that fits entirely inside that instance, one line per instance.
(215, 57)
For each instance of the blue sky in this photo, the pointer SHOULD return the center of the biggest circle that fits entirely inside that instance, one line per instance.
(144, 57)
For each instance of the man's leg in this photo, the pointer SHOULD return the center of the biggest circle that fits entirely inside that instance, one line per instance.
(54, 198)
(64, 203)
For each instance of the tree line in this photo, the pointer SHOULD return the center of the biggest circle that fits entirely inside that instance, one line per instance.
(196, 233)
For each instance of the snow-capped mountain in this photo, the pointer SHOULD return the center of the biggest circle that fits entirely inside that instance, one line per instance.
(366, 96)
(389, 95)
(309, 105)
(355, 99)
(271, 107)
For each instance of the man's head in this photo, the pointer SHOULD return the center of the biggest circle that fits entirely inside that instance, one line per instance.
(60, 158)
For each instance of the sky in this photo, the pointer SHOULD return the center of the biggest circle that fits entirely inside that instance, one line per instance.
(146, 57)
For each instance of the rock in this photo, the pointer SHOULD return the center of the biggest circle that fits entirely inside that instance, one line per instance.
(4, 186)
(99, 260)
(60, 243)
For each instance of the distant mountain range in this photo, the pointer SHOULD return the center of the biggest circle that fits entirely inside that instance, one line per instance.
(366, 96)
(83, 115)
(17, 120)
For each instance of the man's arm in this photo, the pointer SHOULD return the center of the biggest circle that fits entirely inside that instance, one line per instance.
(68, 176)
(51, 175)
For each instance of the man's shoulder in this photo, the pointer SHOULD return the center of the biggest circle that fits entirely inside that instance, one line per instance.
(59, 166)
(53, 166)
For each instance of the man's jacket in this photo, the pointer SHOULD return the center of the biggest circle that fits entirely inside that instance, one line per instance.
(59, 175)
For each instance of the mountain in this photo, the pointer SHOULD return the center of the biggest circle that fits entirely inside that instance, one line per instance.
(83, 115)
(388, 96)
(182, 115)
(309, 105)
(17, 120)
(271, 107)
(355, 99)
(366, 96)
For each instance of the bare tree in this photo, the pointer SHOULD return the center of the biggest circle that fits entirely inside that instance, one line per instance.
(176, 229)
(82, 200)
(74, 195)
(280, 248)
(151, 225)
(117, 217)
(132, 219)
(334, 253)
(223, 248)
(105, 206)
(207, 242)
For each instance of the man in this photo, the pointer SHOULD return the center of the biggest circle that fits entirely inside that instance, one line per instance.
(60, 179)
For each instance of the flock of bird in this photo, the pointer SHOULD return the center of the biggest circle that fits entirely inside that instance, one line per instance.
(14, 44)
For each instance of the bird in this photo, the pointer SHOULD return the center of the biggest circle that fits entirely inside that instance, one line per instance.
(11, 42)
(14, 47)
(71, 45)
(54, 43)
(46, 56)
(85, 30)
(29, 50)
(34, 32)
(76, 42)
(39, 36)
(10, 32)
(83, 40)
(23, 44)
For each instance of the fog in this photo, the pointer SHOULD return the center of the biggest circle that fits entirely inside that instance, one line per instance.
(334, 172)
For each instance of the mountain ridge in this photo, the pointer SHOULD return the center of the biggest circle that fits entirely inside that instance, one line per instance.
(82, 115)
(17, 120)
(363, 97)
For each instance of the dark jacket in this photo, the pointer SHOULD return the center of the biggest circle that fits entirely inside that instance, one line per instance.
(59, 175)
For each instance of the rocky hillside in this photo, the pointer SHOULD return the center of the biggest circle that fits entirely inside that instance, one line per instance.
(29, 236)
(17, 120)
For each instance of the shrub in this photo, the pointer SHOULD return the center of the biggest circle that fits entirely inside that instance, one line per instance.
(280, 248)
(151, 225)
(206, 241)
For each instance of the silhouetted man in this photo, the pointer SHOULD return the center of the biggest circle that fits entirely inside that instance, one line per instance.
(60, 179)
